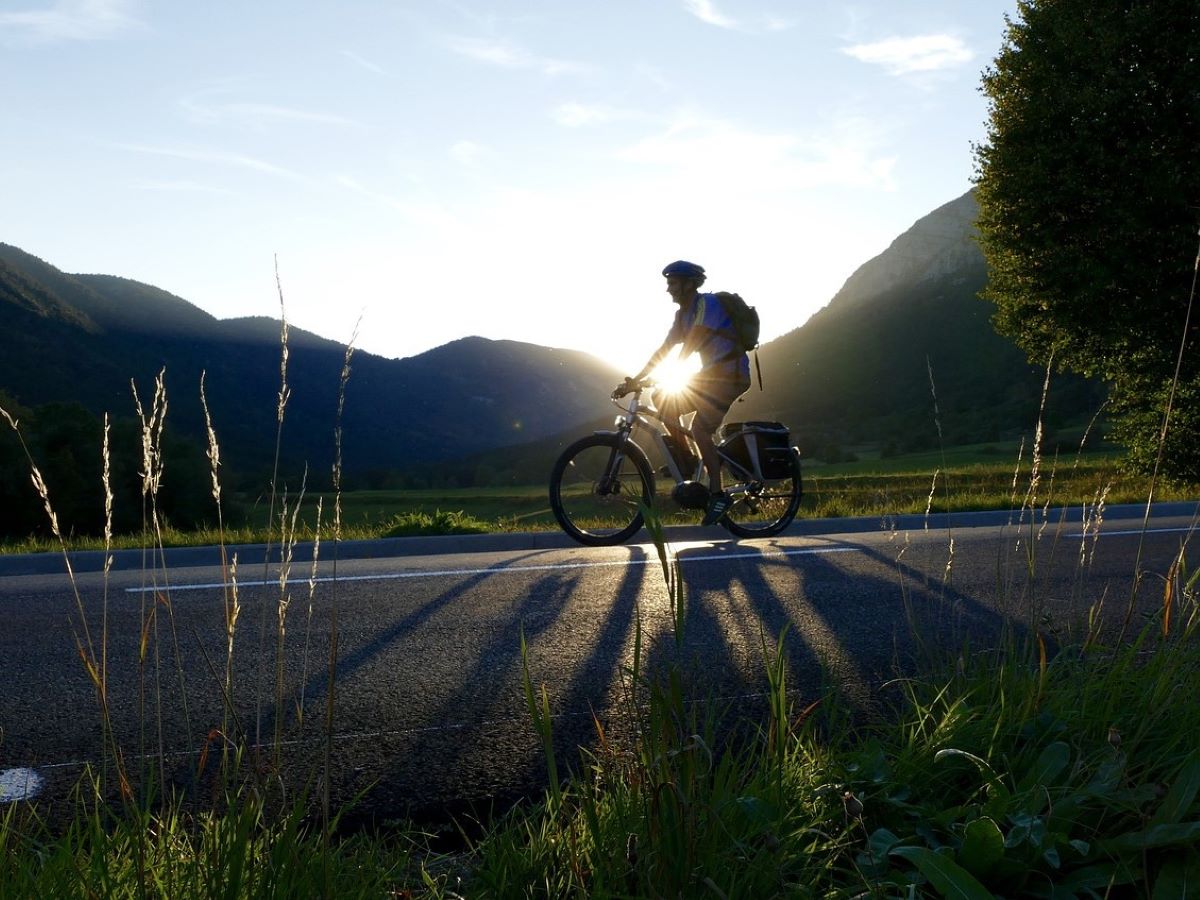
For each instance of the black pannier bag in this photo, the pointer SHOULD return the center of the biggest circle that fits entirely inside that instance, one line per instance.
(764, 448)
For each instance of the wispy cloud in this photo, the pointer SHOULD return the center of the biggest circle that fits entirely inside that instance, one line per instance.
(706, 11)
(364, 62)
(723, 156)
(468, 153)
(509, 56)
(71, 20)
(200, 108)
(772, 22)
(180, 187)
(431, 215)
(212, 157)
(580, 115)
(750, 22)
(905, 55)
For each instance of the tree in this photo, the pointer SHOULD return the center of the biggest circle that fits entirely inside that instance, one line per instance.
(1089, 192)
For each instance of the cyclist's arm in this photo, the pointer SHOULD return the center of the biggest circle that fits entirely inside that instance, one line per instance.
(659, 355)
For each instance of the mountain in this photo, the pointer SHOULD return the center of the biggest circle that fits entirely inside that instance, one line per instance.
(858, 372)
(85, 337)
(907, 323)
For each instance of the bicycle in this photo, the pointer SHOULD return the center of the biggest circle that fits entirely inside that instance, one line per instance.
(599, 481)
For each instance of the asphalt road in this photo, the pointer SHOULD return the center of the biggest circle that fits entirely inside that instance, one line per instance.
(430, 714)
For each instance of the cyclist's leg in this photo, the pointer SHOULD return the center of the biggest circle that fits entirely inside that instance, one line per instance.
(713, 399)
(674, 407)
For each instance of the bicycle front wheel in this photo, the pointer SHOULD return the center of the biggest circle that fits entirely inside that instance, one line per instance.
(764, 508)
(595, 487)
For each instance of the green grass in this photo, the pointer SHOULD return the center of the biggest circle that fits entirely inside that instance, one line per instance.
(1013, 777)
(869, 487)
(1007, 771)
(243, 851)
(977, 486)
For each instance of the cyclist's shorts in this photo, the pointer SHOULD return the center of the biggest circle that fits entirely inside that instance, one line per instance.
(710, 398)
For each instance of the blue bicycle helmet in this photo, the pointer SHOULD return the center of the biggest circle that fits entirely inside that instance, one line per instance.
(684, 269)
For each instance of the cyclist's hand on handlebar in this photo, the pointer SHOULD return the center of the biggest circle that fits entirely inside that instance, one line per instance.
(628, 386)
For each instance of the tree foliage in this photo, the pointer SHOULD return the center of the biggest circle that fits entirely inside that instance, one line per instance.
(1089, 192)
(66, 442)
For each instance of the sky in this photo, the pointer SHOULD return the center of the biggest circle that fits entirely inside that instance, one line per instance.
(516, 169)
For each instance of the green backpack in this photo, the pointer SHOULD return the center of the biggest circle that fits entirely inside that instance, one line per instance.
(745, 325)
(744, 318)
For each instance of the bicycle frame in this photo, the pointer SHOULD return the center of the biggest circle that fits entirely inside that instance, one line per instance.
(647, 416)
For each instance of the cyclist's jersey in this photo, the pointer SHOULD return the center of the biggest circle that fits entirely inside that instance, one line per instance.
(704, 327)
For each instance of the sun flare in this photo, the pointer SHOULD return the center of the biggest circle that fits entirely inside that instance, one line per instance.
(673, 373)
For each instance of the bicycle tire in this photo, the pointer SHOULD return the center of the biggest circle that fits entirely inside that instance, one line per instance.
(769, 506)
(589, 510)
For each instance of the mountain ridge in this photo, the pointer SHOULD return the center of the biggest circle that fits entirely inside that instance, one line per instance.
(904, 355)
(905, 326)
(86, 337)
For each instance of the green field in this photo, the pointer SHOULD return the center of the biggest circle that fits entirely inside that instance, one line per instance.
(968, 478)
(959, 479)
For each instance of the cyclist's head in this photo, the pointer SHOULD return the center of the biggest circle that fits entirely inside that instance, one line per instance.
(681, 268)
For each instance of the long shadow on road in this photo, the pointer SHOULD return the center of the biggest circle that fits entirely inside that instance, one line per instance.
(480, 748)
(463, 737)
(850, 620)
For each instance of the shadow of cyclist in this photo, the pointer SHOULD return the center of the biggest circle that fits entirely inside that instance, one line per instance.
(479, 750)
(852, 618)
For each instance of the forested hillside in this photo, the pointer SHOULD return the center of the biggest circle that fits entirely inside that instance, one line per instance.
(84, 338)
(864, 369)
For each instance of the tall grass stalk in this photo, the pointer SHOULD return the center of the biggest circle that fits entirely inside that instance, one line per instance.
(1162, 440)
(96, 668)
(937, 421)
(280, 408)
(331, 683)
(153, 469)
(106, 483)
(672, 577)
(312, 591)
(287, 549)
(543, 722)
(230, 604)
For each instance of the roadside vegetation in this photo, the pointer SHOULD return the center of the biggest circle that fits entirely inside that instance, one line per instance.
(1006, 770)
(961, 479)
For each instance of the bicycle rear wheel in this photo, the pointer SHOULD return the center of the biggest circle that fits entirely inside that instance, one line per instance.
(764, 508)
(595, 487)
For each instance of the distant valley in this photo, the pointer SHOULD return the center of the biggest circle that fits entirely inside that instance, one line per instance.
(857, 373)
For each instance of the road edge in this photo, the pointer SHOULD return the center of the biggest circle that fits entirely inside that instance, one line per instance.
(83, 561)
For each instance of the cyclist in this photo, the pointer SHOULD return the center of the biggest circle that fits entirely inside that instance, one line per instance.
(701, 326)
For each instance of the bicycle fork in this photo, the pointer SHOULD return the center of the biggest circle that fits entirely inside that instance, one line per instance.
(609, 483)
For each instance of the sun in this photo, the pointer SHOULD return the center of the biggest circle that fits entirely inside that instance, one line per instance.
(673, 373)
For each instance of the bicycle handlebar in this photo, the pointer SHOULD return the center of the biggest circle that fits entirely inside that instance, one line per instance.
(630, 386)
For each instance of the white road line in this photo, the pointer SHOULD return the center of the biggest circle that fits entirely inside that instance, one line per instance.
(498, 570)
(1135, 531)
(19, 784)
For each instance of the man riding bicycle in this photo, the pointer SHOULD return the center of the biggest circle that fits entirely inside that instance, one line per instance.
(701, 326)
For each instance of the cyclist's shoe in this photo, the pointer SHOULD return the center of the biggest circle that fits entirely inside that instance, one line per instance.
(718, 505)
